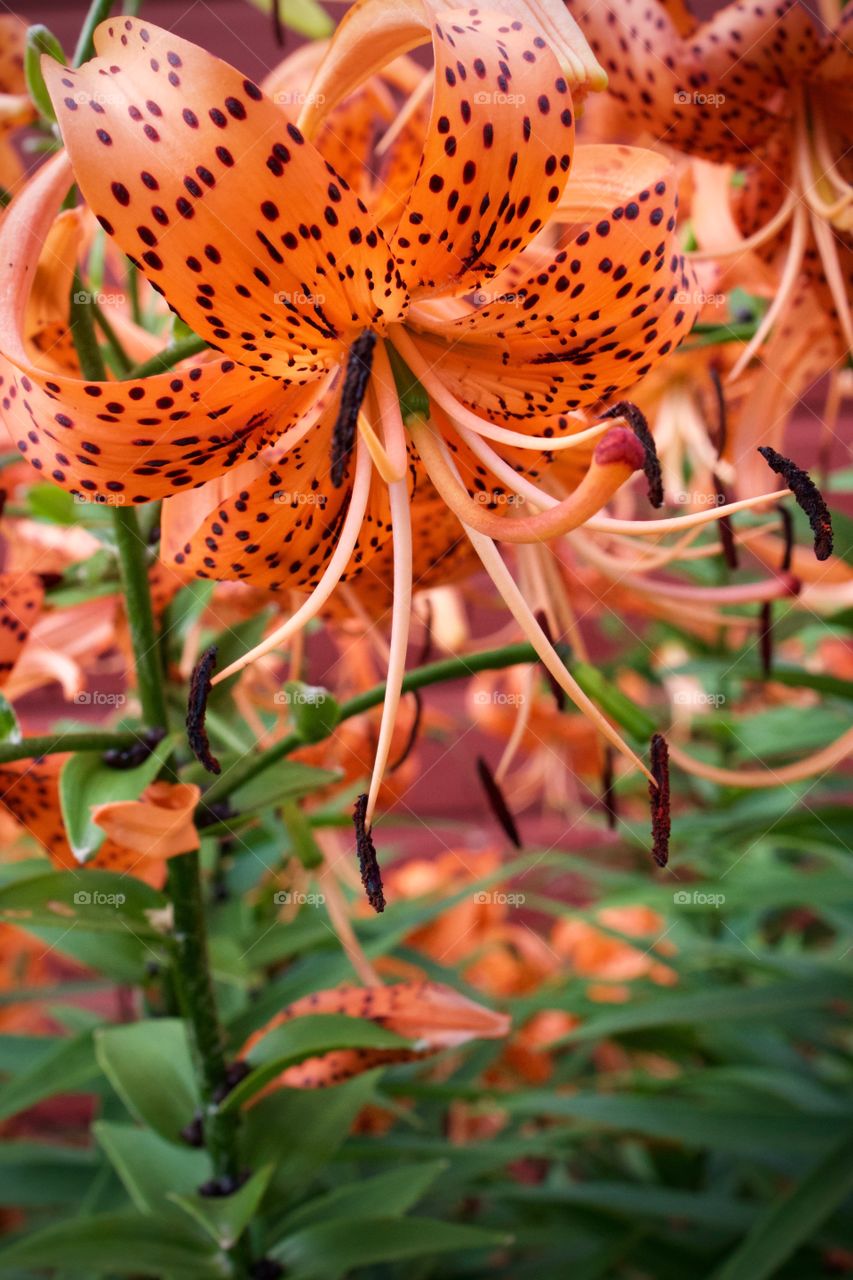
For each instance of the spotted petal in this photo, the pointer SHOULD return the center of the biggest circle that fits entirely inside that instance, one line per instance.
(130, 441)
(605, 310)
(21, 596)
(239, 221)
(498, 146)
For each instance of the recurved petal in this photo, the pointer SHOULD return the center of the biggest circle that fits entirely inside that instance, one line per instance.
(498, 146)
(372, 32)
(274, 522)
(159, 825)
(223, 204)
(611, 303)
(435, 1017)
(125, 441)
(29, 791)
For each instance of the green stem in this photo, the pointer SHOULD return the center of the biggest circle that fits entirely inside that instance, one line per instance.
(98, 11)
(457, 668)
(122, 361)
(193, 978)
(51, 744)
(167, 359)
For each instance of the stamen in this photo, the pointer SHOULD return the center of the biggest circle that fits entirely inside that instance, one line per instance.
(497, 803)
(277, 24)
(727, 537)
(356, 379)
(808, 498)
(414, 733)
(608, 790)
(771, 775)
(659, 799)
(368, 863)
(559, 694)
(651, 466)
(200, 686)
(722, 414)
(765, 638)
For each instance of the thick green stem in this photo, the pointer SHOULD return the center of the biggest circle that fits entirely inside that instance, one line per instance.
(432, 673)
(98, 11)
(168, 358)
(51, 744)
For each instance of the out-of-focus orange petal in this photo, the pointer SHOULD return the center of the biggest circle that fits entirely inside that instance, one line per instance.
(158, 825)
(217, 190)
(21, 597)
(434, 1016)
(29, 791)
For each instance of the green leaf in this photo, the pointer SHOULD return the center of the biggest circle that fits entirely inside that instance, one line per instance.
(792, 1220)
(225, 1218)
(97, 900)
(772, 1001)
(303, 1038)
(287, 781)
(150, 1067)
(10, 730)
(117, 1243)
(85, 781)
(305, 16)
(397, 1192)
(66, 1069)
(47, 502)
(35, 1174)
(327, 1250)
(148, 1165)
(40, 41)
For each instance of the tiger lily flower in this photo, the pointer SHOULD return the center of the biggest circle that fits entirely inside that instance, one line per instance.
(293, 429)
(762, 89)
(434, 1016)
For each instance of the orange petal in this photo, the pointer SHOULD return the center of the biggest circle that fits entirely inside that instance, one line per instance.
(29, 791)
(21, 597)
(225, 206)
(434, 1016)
(158, 825)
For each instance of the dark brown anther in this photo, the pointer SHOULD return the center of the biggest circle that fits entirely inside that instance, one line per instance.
(722, 432)
(136, 753)
(50, 580)
(193, 1133)
(637, 422)
(497, 803)
(356, 378)
(266, 1269)
(413, 735)
(234, 1073)
(608, 791)
(368, 863)
(225, 1185)
(808, 498)
(659, 799)
(197, 708)
(554, 685)
(724, 524)
(211, 815)
(765, 638)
